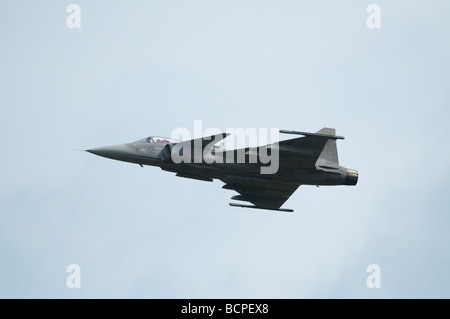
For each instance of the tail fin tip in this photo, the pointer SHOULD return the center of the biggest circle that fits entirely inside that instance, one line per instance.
(327, 131)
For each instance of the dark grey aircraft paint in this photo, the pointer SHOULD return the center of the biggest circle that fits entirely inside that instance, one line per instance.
(308, 160)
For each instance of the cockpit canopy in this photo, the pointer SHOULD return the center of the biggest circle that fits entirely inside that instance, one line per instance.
(157, 139)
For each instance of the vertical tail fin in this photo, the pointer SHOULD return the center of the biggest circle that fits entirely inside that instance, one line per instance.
(328, 159)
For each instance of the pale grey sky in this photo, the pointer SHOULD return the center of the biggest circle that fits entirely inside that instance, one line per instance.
(135, 69)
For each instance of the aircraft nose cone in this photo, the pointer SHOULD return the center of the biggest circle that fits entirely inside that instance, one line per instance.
(94, 151)
(113, 151)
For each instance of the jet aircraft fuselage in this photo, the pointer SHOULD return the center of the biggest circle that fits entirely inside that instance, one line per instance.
(309, 160)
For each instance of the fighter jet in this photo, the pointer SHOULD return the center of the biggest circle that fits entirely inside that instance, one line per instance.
(308, 160)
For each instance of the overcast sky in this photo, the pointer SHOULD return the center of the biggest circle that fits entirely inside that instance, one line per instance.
(140, 68)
